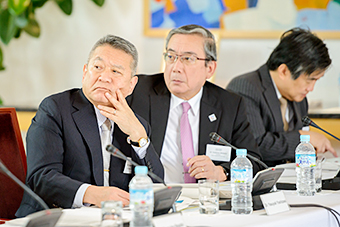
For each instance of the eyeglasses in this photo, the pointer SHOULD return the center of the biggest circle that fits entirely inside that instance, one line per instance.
(188, 59)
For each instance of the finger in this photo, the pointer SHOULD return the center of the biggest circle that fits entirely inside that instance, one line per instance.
(203, 174)
(197, 165)
(125, 204)
(323, 148)
(124, 198)
(200, 170)
(111, 114)
(124, 201)
(121, 97)
(124, 194)
(332, 150)
(317, 149)
(200, 175)
(196, 158)
(113, 99)
(205, 165)
(106, 109)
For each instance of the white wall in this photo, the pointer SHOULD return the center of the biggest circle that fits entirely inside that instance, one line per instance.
(36, 68)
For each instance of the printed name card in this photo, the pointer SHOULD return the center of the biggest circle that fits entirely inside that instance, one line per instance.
(218, 152)
(168, 220)
(274, 202)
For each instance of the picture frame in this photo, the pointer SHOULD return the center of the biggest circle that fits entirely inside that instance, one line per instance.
(242, 18)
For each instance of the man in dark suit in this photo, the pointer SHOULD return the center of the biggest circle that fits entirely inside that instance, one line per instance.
(190, 60)
(275, 95)
(67, 162)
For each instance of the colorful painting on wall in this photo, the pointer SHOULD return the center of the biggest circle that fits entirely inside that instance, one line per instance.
(241, 17)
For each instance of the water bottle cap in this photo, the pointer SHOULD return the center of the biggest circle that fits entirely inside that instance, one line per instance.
(304, 138)
(241, 152)
(141, 170)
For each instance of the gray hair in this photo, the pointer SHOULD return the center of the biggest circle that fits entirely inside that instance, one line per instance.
(119, 44)
(209, 39)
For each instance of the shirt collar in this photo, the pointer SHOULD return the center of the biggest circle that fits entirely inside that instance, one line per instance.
(194, 102)
(100, 117)
(278, 94)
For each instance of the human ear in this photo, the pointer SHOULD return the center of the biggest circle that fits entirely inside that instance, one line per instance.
(210, 69)
(133, 83)
(84, 70)
(284, 72)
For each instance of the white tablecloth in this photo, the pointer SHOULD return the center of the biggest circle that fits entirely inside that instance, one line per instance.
(310, 217)
(317, 217)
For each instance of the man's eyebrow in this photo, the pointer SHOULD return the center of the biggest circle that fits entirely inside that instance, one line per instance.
(117, 66)
(98, 58)
(187, 52)
(313, 78)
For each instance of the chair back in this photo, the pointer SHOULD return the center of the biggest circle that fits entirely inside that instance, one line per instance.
(12, 154)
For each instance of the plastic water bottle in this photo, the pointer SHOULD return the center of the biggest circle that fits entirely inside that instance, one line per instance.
(241, 183)
(305, 167)
(141, 198)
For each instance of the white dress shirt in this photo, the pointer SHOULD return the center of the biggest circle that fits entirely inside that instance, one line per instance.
(141, 152)
(171, 155)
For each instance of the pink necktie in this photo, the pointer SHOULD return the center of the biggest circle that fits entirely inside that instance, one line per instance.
(186, 142)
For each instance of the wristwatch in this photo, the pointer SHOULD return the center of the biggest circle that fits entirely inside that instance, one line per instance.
(140, 143)
(225, 172)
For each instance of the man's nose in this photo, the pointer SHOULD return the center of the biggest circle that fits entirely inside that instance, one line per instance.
(178, 64)
(311, 86)
(105, 76)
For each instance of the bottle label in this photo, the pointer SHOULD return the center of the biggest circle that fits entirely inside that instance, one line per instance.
(141, 196)
(241, 175)
(305, 160)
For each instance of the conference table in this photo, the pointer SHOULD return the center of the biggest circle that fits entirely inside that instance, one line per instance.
(307, 216)
(189, 214)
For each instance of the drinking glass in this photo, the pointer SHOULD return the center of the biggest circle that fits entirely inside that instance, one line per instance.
(112, 213)
(208, 196)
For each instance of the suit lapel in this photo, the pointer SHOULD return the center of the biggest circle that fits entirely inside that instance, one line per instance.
(208, 108)
(117, 176)
(84, 118)
(159, 111)
(270, 96)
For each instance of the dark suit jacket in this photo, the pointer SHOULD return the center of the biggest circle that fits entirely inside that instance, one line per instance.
(151, 100)
(265, 118)
(64, 151)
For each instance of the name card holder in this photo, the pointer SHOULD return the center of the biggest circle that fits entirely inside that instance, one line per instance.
(274, 203)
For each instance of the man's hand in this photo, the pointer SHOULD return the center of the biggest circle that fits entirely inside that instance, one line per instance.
(121, 113)
(320, 142)
(96, 194)
(201, 166)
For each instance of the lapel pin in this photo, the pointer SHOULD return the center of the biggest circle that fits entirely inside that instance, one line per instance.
(212, 117)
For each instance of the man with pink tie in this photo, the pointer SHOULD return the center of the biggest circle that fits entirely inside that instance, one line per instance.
(183, 108)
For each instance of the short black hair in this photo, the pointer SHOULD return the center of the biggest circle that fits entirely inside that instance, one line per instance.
(301, 51)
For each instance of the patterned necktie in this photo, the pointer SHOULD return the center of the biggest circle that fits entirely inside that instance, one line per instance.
(186, 142)
(284, 103)
(106, 140)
